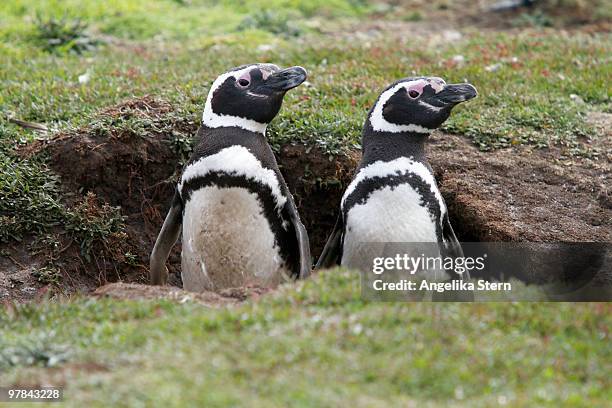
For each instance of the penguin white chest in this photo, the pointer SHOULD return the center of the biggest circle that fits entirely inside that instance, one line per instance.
(228, 242)
(227, 239)
(389, 212)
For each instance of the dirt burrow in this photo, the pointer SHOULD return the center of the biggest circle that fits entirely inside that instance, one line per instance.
(530, 195)
(507, 195)
(523, 194)
(137, 171)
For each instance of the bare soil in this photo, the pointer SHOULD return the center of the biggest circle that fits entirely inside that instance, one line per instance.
(120, 290)
(518, 194)
(441, 22)
(523, 194)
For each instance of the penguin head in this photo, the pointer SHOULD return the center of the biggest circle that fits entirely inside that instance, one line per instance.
(249, 96)
(417, 105)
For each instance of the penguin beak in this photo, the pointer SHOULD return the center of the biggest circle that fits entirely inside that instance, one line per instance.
(453, 94)
(282, 81)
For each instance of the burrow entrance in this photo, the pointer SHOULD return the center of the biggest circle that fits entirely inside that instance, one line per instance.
(132, 157)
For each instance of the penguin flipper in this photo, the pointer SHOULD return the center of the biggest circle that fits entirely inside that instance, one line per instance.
(452, 247)
(302, 239)
(332, 252)
(304, 244)
(158, 273)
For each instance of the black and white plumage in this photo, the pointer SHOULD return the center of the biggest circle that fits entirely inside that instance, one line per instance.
(393, 196)
(240, 225)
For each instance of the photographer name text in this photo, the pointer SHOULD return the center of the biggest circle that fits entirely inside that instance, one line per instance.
(440, 287)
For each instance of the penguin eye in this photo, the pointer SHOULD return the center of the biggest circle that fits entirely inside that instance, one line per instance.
(243, 82)
(413, 93)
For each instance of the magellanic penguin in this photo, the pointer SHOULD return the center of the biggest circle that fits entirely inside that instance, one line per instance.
(239, 221)
(393, 197)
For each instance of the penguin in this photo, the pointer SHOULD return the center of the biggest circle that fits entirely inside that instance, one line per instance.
(393, 198)
(240, 226)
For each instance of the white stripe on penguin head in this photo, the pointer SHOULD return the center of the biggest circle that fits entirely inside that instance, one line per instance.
(378, 121)
(216, 120)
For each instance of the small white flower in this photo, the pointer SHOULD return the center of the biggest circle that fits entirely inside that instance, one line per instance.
(493, 68)
(84, 78)
(576, 99)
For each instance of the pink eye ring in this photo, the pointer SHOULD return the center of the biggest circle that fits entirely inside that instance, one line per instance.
(413, 93)
(244, 80)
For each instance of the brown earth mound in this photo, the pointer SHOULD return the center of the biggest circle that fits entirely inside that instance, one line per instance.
(516, 194)
(131, 166)
(522, 194)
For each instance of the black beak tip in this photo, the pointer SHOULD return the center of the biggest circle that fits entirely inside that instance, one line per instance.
(300, 71)
(471, 92)
(286, 79)
(457, 93)
(299, 74)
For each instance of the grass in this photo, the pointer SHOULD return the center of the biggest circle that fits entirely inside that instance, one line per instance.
(169, 19)
(31, 203)
(316, 344)
(26, 192)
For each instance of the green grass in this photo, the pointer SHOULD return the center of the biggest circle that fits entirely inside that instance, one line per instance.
(527, 100)
(168, 19)
(315, 344)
